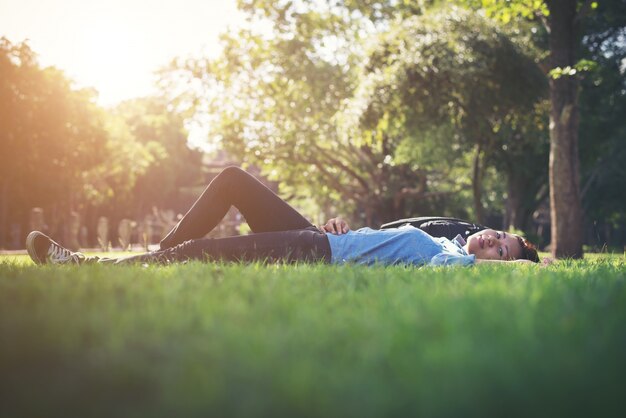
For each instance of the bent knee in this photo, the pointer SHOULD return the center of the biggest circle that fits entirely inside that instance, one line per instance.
(232, 171)
(230, 179)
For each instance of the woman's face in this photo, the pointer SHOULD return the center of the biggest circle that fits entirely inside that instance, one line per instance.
(493, 245)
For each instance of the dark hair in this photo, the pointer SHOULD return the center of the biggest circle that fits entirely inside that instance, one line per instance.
(529, 251)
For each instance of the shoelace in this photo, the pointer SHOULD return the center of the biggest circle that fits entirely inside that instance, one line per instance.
(59, 254)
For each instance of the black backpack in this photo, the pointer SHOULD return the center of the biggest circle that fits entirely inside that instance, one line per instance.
(438, 226)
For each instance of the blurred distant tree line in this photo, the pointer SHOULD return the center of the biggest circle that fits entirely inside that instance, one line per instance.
(386, 109)
(373, 110)
(63, 153)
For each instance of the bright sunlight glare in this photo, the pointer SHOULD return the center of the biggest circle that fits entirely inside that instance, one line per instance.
(116, 46)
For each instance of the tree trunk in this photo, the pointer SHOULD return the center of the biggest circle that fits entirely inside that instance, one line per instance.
(514, 215)
(4, 202)
(477, 185)
(565, 204)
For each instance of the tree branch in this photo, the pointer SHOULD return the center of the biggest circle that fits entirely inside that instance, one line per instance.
(583, 12)
(543, 19)
(345, 168)
(407, 191)
(330, 178)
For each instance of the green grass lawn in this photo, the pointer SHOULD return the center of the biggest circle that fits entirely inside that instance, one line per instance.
(311, 340)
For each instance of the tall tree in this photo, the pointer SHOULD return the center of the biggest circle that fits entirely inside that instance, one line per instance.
(50, 134)
(565, 201)
(562, 20)
(60, 151)
(271, 101)
(602, 125)
(453, 68)
(279, 101)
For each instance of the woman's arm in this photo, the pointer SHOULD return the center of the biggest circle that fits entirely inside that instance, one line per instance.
(520, 261)
(545, 262)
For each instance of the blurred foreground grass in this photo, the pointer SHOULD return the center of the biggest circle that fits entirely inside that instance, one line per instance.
(311, 340)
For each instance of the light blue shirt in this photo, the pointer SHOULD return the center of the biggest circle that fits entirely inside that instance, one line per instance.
(404, 245)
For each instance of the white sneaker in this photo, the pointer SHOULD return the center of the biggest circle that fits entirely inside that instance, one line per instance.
(43, 250)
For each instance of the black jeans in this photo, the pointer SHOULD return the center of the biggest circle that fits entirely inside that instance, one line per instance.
(280, 233)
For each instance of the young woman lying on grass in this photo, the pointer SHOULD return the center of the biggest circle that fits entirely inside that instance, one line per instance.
(280, 233)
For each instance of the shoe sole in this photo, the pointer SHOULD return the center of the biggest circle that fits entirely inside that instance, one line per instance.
(30, 247)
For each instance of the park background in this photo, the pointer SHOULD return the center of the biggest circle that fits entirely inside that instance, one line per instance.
(371, 110)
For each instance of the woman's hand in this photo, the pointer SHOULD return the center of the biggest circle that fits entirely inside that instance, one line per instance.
(335, 226)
